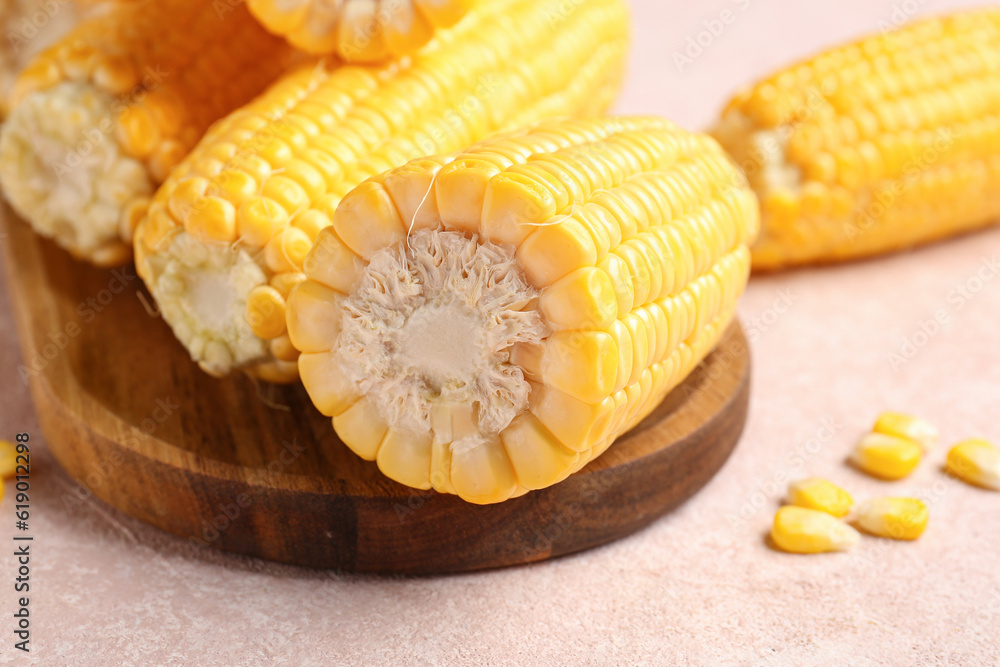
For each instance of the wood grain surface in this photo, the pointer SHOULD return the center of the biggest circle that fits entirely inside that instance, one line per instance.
(255, 469)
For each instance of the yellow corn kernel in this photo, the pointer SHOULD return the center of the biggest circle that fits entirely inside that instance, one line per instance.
(283, 350)
(497, 371)
(116, 103)
(898, 518)
(266, 312)
(820, 494)
(362, 428)
(905, 426)
(285, 161)
(258, 219)
(800, 530)
(886, 456)
(977, 462)
(879, 136)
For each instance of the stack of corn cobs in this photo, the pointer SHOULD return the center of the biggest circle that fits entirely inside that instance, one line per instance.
(417, 208)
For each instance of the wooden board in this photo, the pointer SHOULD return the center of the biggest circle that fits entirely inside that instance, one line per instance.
(254, 469)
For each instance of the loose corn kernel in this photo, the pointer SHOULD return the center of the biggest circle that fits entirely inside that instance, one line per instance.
(820, 494)
(886, 456)
(8, 460)
(906, 426)
(976, 461)
(897, 518)
(799, 530)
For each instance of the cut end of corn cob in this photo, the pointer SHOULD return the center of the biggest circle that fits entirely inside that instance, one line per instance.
(429, 335)
(874, 146)
(62, 168)
(896, 518)
(886, 456)
(800, 530)
(820, 494)
(487, 324)
(202, 291)
(268, 178)
(906, 426)
(976, 462)
(358, 30)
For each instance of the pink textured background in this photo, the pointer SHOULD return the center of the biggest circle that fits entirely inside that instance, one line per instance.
(699, 587)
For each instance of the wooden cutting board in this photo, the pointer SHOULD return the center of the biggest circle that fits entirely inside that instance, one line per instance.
(254, 469)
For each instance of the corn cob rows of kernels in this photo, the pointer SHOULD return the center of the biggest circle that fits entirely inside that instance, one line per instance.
(878, 145)
(246, 205)
(619, 250)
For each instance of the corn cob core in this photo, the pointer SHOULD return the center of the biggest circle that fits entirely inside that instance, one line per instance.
(255, 194)
(875, 146)
(359, 30)
(430, 329)
(487, 323)
(100, 118)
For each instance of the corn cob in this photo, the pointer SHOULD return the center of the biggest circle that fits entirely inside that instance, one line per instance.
(875, 146)
(100, 118)
(226, 236)
(487, 323)
(359, 30)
